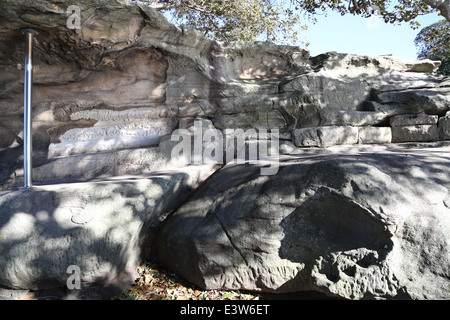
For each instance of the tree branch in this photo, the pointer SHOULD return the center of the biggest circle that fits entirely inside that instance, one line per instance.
(442, 5)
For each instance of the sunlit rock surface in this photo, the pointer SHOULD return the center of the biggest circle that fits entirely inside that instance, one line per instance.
(107, 98)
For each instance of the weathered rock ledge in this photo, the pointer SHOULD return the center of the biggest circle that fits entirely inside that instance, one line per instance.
(126, 78)
(101, 226)
(358, 209)
(358, 222)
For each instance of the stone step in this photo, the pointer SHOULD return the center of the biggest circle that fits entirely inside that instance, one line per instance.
(351, 118)
(444, 127)
(415, 133)
(375, 135)
(341, 135)
(413, 119)
(168, 154)
(112, 163)
(100, 226)
(107, 136)
(325, 136)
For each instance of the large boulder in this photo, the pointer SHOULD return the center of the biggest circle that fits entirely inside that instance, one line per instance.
(102, 227)
(109, 96)
(349, 223)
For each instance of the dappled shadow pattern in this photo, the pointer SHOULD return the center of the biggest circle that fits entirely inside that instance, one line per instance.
(101, 226)
(333, 223)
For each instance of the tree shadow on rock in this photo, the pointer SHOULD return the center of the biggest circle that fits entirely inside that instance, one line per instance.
(100, 226)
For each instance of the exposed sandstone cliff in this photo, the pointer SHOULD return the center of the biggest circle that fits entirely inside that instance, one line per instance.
(107, 97)
(127, 77)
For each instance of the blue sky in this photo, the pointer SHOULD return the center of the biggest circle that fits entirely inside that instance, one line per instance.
(364, 36)
(353, 34)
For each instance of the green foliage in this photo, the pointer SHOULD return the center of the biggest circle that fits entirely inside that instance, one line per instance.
(279, 21)
(433, 42)
(246, 20)
(391, 11)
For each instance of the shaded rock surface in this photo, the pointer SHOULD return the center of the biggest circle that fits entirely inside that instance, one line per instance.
(349, 222)
(126, 78)
(444, 127)
(101, 226)
(358, 222)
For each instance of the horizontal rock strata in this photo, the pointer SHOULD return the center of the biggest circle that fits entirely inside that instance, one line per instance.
(137, 113)
(444, 127)
(101, 227)
(351, 222)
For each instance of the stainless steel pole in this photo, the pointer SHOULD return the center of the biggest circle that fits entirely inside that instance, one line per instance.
(27, 127)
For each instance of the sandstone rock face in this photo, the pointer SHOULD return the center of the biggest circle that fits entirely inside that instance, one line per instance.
(347, 223)
(423, 133)
(111, 137)
(101, 226)
(126, 78)
(348, 213)
(375, 135)
(413, 127)
(444, 127)
(325, 136)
